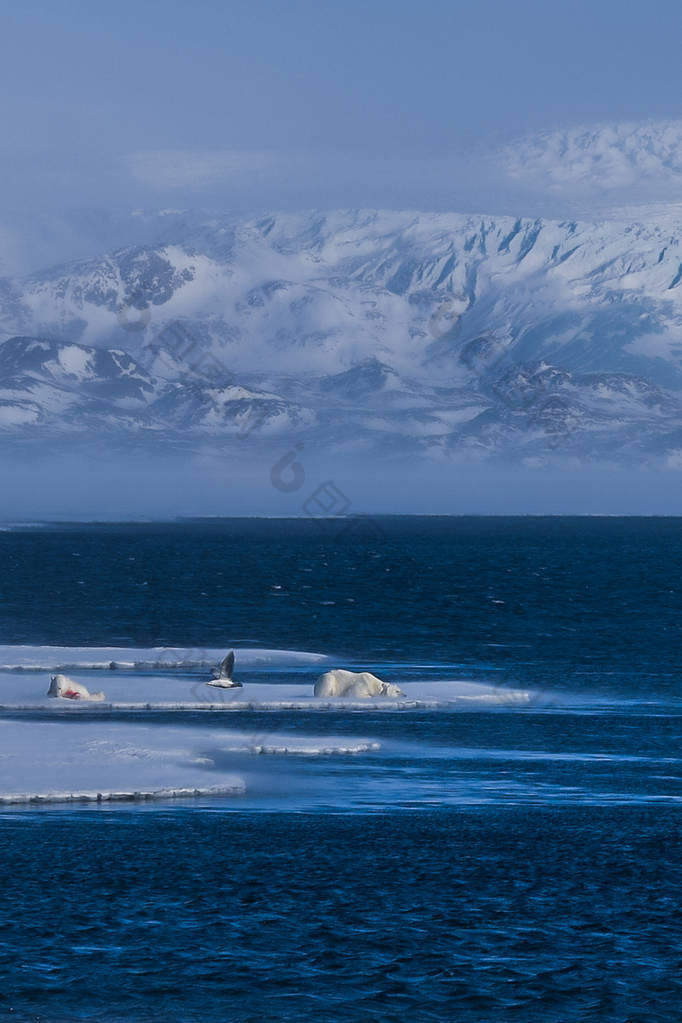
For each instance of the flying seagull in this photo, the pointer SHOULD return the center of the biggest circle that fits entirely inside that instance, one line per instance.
(222, 676)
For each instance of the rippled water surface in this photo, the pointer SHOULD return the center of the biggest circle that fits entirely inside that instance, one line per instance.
(492, 914)
(578, 602)
(515, 863)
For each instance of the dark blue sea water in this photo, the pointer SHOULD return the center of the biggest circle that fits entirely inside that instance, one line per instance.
(509, 864)
(586, 603)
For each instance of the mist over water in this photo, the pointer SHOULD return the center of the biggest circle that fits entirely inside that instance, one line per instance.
(108, 486)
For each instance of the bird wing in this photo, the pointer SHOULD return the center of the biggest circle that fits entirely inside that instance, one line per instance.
(227, 667)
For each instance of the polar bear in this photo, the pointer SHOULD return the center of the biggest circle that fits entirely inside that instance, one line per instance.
(64, 687)
(354, 685)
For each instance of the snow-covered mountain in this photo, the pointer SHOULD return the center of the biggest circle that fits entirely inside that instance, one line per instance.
(443, 335)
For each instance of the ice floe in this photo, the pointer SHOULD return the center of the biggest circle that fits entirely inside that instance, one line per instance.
(144, 741)
(50, 761)
(168, 693)
(66, 658)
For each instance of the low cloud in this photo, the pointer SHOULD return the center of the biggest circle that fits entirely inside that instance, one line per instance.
(577, 171)
(75, 205)
(182, 168)
(600, 158)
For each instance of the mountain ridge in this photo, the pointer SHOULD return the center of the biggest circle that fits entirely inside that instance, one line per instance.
(400, 330)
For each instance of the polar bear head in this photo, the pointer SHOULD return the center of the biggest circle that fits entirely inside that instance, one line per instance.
(390, 690)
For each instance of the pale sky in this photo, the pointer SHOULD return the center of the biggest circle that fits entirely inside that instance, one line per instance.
(255, 103)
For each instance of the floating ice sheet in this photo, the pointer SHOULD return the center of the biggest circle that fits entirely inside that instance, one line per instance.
(66, 658)
(104, 761)
(27, 691)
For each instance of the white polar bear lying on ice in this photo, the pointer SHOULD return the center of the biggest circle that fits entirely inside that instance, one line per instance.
(64, 687)
(354, 685)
